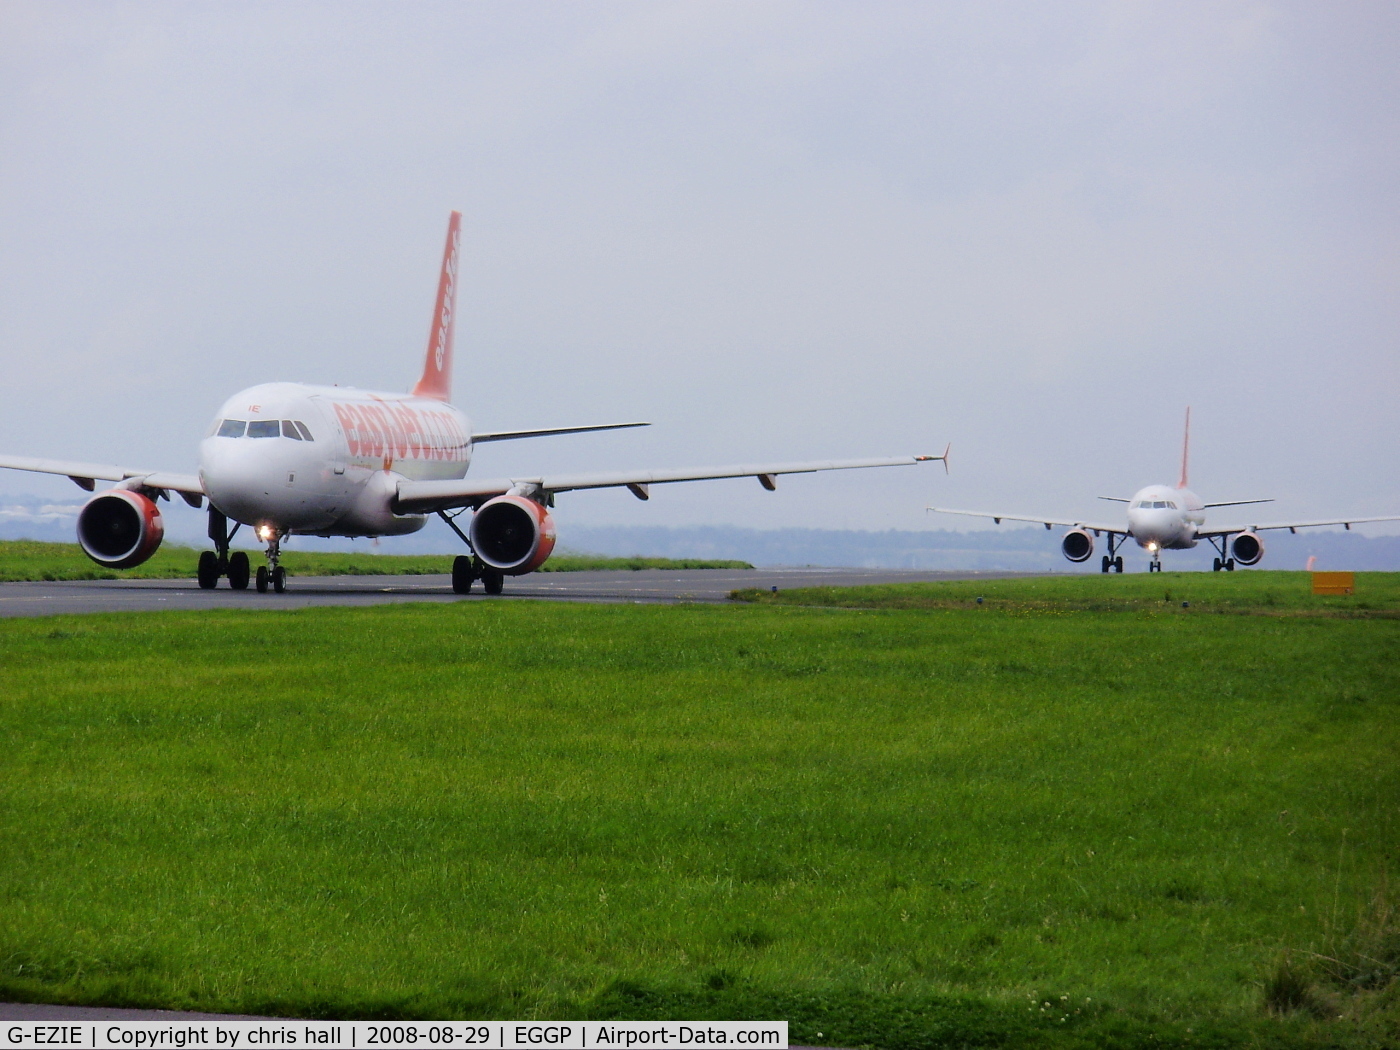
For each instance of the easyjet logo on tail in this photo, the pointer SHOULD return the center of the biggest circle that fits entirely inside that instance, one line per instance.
(437, 367)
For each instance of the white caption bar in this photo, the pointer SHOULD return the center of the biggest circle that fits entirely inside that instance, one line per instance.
(420, 1035)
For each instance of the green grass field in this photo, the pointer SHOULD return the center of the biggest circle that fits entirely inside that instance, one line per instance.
(1018, 825)
(32, 560)
(1253, 591)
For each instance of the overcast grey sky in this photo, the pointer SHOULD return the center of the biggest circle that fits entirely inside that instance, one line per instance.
(778, 230)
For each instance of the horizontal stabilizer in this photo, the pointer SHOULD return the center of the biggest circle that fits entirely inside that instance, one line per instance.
(511, 435)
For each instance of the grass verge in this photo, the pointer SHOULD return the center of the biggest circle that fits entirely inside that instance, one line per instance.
(1253, 591)
(31, 560)
(895, 828)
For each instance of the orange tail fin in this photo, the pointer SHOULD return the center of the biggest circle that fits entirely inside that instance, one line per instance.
(1185, 450)
(437, 367)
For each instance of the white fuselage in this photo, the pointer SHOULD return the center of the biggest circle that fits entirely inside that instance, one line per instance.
(340, 482)
(1162, 517)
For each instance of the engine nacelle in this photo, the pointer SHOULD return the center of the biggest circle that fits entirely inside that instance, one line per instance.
(1247, 548)
(512, 534)
(120, 528)
(1077, 545)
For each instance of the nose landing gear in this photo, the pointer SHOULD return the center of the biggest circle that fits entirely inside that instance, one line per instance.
(272, 572)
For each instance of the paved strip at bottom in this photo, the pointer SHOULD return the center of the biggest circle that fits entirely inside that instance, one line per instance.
(647, 585)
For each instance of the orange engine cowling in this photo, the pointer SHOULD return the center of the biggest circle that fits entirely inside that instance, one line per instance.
(120, 528)
(512, 534)
(1077, 545)
(1247, 548)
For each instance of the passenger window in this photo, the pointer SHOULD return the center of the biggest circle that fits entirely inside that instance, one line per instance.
(289, 430)
(264, 428)
(232, 428)
(305, 432)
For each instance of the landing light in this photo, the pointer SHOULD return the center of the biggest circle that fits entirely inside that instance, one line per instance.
(1152, 546)
(265, 532)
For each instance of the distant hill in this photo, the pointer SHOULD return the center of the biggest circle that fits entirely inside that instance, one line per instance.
(1030, 549)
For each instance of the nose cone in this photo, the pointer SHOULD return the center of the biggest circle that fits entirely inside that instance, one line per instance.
(255, 480)
(1161, 526)
(235, 473)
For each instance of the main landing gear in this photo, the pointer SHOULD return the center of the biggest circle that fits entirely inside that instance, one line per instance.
(1222, 547)
(468, 568)
(234, 564)
(1112, 560)
(220, 561)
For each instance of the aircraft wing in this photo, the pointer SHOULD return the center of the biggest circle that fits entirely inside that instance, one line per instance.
(85, 474)
(511, 435)
(1093, 526)
(418, 497)
(1292, 526)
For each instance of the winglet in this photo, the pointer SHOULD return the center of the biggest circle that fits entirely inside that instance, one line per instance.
(943, 458)
(1185, 449)
(436, 382)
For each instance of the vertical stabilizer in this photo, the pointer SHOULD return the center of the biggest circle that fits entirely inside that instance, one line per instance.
(1185, 450)
(437, 367)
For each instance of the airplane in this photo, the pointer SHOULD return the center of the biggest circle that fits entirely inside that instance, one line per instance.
(290, 459)
(1165, 517)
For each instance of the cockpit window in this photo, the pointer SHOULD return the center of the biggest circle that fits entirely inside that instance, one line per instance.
(289, 430)
(1159, 504)
(232, 428)
(1171, 505)
(264, 428)
(305, 432)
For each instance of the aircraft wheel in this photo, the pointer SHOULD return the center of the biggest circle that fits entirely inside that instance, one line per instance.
(1230, 565)
(462, 575)
(1104, 565)
(1215, 565)
(493, 582)
(279, 579)
(238, 571)
(208, 570)
(1118, 563)
(262, 579)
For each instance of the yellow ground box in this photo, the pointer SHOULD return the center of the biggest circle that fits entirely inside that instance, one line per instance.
(1334, 582)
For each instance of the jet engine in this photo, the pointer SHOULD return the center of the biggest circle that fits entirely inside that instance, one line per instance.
(1077, 545)
(1247, 548)
(120, 528)
(512, 534)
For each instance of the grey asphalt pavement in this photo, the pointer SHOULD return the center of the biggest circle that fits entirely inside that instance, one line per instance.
(648, 585)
